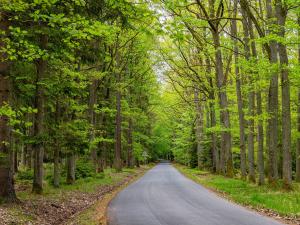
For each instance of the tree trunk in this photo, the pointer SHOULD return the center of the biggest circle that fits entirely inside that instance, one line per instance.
(129, 143)
(29, 146)
(118, 129)
(298, 139)
(214, 145)
(226, 162)
(38, 146)
(273, 104)
(260, 125)
(92, 119)
(260, 140)
(281, 14)
(16, 159)
(239, 98)
(7, 191)
(298, 118)
(56, 170)
(251, 101)
(71, 168)
(198, 127)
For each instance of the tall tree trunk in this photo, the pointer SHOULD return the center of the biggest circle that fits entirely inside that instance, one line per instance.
(7, 191)
(212, 116)
(29, 146)
(239, 97)
(281, 14)
(298, 139)
(129, 143)
(226, 162)
(199, 126)
(118, 131)
(298, 118)
(56, 156)
(56, 170)
(38, 146)
(70, 168)
(16, 159)
(92, 118)
(251, 101)
(272, 102)
(214, 144)
(260, 125)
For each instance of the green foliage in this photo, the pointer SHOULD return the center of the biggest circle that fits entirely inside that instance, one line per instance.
(26, 174)
(84, 169)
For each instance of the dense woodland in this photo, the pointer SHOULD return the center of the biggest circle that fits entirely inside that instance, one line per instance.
(213, 84)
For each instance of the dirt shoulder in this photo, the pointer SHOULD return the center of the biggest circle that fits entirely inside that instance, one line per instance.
(96, 214)
(68, 204)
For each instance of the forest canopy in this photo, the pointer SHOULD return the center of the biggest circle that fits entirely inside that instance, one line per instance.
(211, 84)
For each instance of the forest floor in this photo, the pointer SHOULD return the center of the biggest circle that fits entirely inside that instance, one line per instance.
(84, 202)
(271, 201)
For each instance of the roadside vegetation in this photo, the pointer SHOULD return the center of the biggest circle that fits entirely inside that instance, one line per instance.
(270, 200)
(60, 206)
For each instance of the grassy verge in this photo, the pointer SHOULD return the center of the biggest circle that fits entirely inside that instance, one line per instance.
(259, 197)
(87, 185)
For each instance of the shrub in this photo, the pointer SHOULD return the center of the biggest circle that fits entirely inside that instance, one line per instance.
(25, 175)
(84, 169)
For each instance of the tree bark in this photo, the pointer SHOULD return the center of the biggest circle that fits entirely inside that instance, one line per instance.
(226, 154)
(298, 118)
(214, 144)
(7, 190)
(298, 139)
(92, 119)
(281, 14)
(239, 97)
(71, 168)
(38, 146)
(199, 126)
(56, 170)
(260, 125)
(29, 146)
(251, 100)
(129, 144)
(118, 131)
(273, 103)
(56, 156)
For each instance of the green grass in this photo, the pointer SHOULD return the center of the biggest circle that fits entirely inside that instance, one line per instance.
(285, 203)
(86, 185)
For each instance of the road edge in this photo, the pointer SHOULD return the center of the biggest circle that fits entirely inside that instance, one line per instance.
(269, 213)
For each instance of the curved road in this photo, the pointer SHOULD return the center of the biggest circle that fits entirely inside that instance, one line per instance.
(163, 196)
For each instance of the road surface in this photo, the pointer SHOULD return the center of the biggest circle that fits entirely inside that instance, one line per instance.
(163, 196)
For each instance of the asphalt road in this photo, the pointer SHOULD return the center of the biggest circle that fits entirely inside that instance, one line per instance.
(163, 196)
